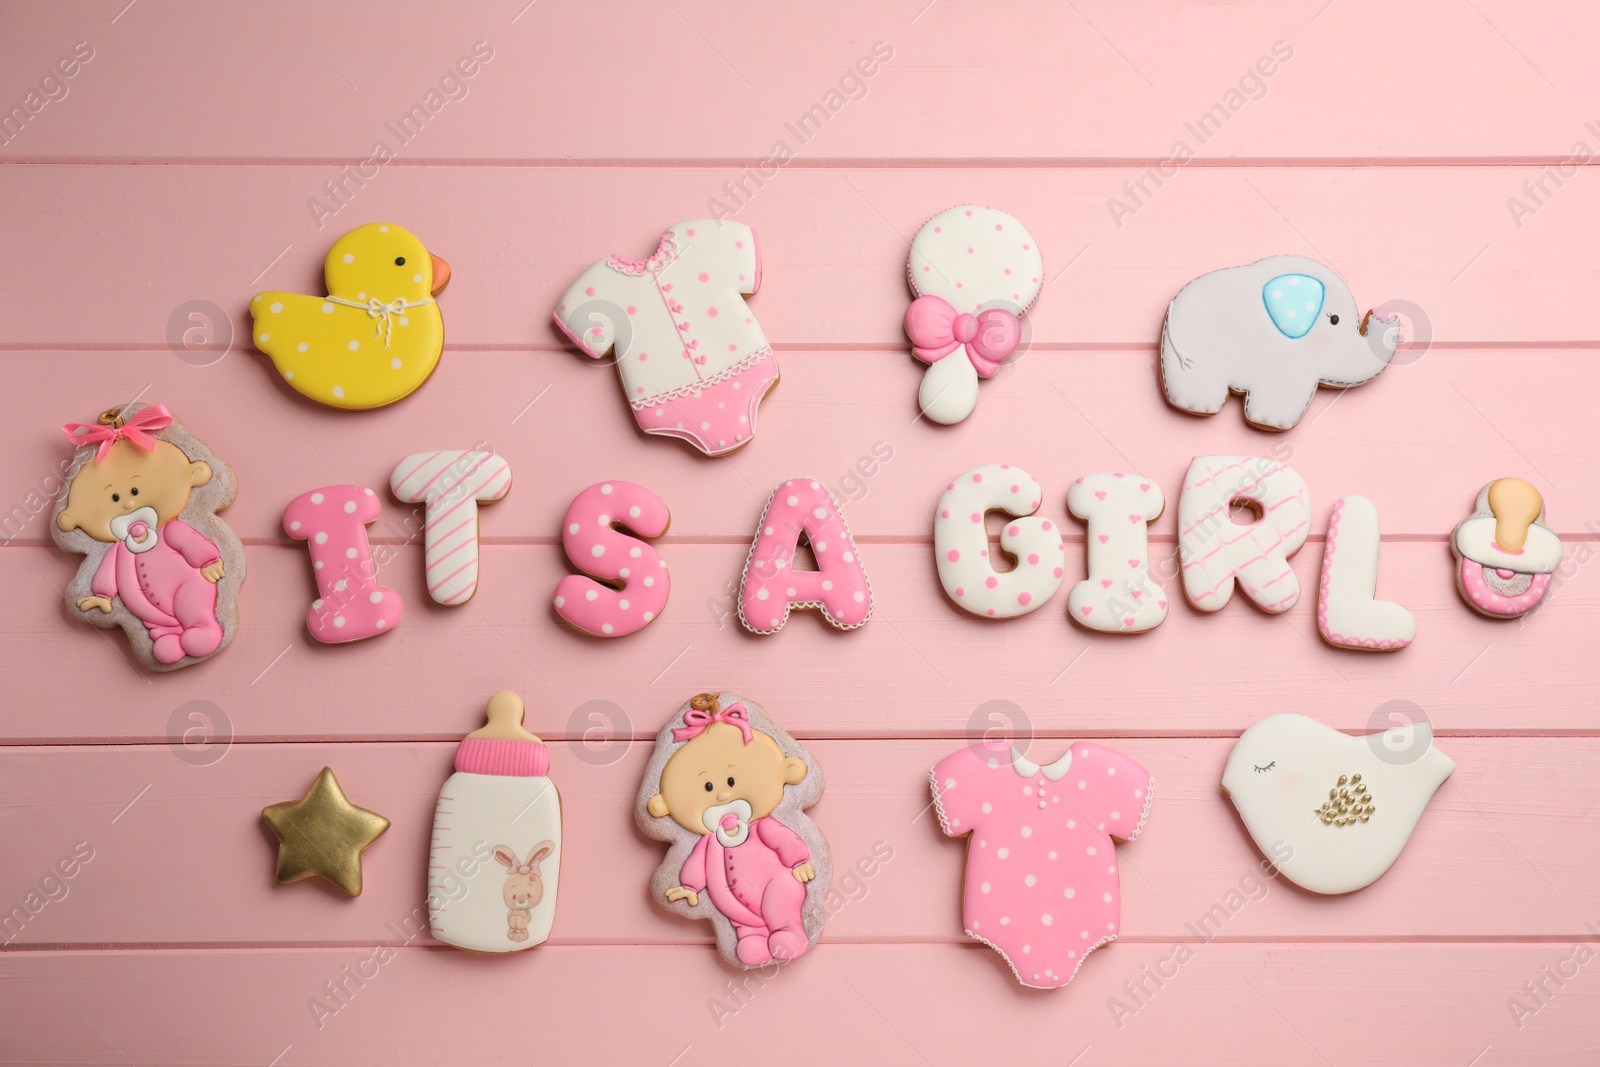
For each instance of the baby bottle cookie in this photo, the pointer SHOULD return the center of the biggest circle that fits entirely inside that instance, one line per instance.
(140, 504)
(495, 860)
(727, 790)
(1505, 553)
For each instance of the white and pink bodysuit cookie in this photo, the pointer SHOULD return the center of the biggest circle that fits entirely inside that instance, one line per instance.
(961, 543)
(693, 360)
(450, 485)
(1505, 554)
(975, 272)
(350, 604)
(1216, 552)
(596, 545)
(727, 790)
(1348, 612)
(771, 586)
(1119, 596)
(1041, 885)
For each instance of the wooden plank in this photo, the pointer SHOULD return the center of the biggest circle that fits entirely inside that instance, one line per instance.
(126, 246)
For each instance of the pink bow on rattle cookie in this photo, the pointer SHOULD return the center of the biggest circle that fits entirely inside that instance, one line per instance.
(696, 722)
(936, 330)
(136, 428)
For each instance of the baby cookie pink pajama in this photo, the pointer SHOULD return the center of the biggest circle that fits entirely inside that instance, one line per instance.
(1041, 883)
(164, 588)
(754, 886)
(692, 358)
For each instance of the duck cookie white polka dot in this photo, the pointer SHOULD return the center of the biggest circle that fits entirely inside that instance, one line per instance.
(374, 337)
(1505, 553)
(593, 536)
(975, 271)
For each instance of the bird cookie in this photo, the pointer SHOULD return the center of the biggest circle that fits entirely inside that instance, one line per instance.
(374, 337)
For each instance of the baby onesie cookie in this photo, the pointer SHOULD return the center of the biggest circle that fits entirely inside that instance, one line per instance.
(1505, 553)
(975, 272)
(1119, 596)
(374, 337)
(350, 604)
(140, 504)
(1216, 552)
(727, 790)
(961, 543)
(1041, 884)
(592, 536)
(495, 861)
(771, 586)
(1273, 331)
(1332, 811)
(1348, 613)
(693, 360)
(450, 485)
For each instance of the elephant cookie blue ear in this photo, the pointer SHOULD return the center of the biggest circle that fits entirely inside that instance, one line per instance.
(1293, 301)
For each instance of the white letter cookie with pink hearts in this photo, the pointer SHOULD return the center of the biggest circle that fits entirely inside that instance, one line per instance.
(1119, 596)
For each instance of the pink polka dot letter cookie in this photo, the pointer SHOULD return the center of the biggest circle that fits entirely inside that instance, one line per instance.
(350, 603)
(1041, 886)
(975, 272)
(771, 585)
(450, 485)
(634, 581)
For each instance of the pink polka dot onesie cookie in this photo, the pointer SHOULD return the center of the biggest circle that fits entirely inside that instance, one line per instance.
(693, 360)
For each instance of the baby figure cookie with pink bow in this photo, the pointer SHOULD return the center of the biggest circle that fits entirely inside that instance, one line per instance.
(140, 504)
(975, 272)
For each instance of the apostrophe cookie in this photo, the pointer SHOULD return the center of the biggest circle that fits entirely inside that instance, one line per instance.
(140, 503)
(374, 337)
(592, 534)
(727, 790)
(1505, 553)
(450, 485)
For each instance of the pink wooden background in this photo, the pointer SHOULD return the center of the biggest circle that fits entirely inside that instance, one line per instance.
(176, 166)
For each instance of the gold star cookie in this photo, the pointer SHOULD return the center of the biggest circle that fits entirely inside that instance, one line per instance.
(324, 834)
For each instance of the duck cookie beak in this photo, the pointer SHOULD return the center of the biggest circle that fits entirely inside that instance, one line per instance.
(441, 274)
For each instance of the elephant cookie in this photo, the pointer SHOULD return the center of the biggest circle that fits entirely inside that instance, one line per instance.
(975, 271)
(727, 790)
(140, 504)
(1505, 554)
(1332, 811)
(1271, 331)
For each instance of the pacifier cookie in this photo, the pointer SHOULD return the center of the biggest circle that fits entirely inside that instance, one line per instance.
(1505, 553)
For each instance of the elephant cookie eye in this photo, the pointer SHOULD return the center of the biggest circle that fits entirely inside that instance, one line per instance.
(1268, 767)
(1333, 320)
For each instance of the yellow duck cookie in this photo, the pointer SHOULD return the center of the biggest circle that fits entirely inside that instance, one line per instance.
(375, 337)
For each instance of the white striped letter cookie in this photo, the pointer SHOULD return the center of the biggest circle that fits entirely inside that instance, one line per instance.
(450, 485)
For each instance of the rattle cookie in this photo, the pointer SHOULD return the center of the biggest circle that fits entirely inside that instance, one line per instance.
(1332, 811)
(1041, 886)
(727, 790)
(1505, 553)
(1273, 331)
(140, 504)
(693, 360)
(450, 485)
(495, 860)
(975, 271)
(374, 337)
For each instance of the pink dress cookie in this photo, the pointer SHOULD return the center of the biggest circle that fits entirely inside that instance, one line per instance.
(595, 545)
(975, 271)
(771, 586)
(1041, 885)
(1505, 554)
(350, 604)
(961, 543)
(693, 360)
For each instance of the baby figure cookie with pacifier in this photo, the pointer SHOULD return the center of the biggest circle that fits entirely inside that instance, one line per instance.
(1505, 553)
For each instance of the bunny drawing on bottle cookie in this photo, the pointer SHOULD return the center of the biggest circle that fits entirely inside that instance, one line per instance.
(523, 888)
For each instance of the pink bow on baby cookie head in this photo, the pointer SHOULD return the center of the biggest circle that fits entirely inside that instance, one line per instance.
(136, 428)
(696, 722)
(936, 330)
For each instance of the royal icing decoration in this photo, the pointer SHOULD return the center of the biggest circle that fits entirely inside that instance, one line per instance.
(727, 790)
(1216, 552)
(374, 337)
(1273, 331)
(693, 360)
(450, 485)
(323, 834)
(1505, 553)
(961, 543)
(591, 534)
(495, 861)
(1348, 613)
(140, 504)
(771, 586)
(350, 605)
(975, 271)
(1041, 885)
(1119, 596)
(1332, 811)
